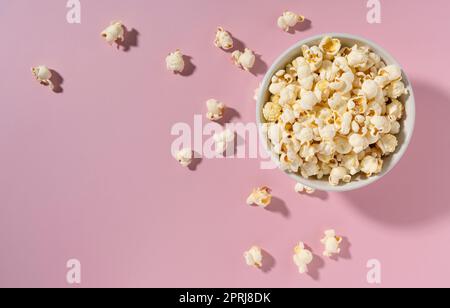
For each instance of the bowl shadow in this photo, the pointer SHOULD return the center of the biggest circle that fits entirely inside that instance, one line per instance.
(414, 193)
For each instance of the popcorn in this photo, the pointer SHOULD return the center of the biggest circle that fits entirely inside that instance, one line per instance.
(300, 188)
(223, 39)
(382, 124)
(308, 100)
(175, 62)
(260, 197)
(245, 59)
(184, 157)
(302, 258)
(339, 174)
(43, 75)
(331, 243)
(114, 32)
(330, 47)
(313, 56)
(358, 142)
(395, 110)
(387, 144)
(253, 257)
(223, 140)
(289, 20)
(371, 165)
(215, 109)
(391, 72)
(288, 95)
(370, 89)
(358, 57)
(334, 112)
(396, 89)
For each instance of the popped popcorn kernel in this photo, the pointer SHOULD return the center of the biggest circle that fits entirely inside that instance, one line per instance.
(43, 75)
(300, 188)
(302, 258)
(175, 62)
(184, 157)
(223, 39)
(223, 140)
(289, 20)
(215, 109)
(260, 197)
(245, 60)
(114, 32)
(331, 243)
(253, 257)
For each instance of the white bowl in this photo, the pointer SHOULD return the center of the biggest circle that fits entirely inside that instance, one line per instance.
(407, 124)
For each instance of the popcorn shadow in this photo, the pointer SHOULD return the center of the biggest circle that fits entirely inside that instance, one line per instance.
(239, 142)
(196, 161)
(189, 67)
(268, 262)
(345, 250)
(279, 206)
(301, 26)
(237, 45)
(315, 266)
(416, 192)
(318, 194)
(131, 39)
(260, 67)
(57, 81)
(229, 115)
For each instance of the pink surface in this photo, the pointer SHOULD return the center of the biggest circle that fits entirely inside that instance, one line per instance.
(88, 174)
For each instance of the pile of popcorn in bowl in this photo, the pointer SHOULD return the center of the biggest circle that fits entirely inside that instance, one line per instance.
(333, 110)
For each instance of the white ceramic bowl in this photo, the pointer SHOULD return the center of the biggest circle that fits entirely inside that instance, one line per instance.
(407, 123)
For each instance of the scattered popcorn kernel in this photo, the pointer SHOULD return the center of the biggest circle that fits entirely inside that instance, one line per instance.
(223, 140)
(215, 109)
(260, 197)
(184, 157)
(331, 243)
(175, 62)
(43, 75)
(289, 20)
(114, 32)
(253, 257)
(302, 258)
(223, 39)
(245, 59)
(300, 188)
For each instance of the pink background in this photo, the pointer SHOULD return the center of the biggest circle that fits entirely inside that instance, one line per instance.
(88, 174)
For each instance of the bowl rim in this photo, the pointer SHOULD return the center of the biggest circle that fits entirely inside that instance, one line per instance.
(389, 59)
